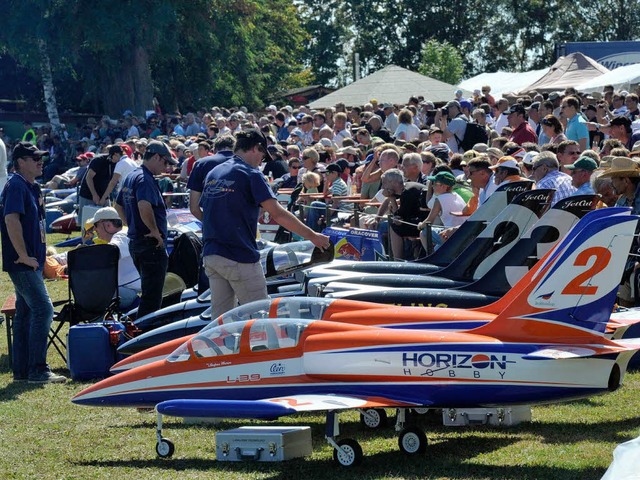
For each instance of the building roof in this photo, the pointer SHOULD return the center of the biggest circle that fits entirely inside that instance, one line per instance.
(392, 84)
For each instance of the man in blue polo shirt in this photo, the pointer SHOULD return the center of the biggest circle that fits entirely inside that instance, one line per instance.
(22, 226)
(142, 208)
(576, 125)
(231, 199)
(223, 148)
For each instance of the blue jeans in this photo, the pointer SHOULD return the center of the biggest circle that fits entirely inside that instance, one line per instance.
(31, 324)
(151, 262)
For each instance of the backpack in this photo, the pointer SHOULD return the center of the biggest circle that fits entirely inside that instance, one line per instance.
(186, 258)
(474, 133)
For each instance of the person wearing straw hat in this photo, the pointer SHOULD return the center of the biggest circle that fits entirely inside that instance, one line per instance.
(625, 177)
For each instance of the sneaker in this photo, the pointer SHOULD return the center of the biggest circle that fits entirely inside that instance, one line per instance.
(19, 379)
(48, 377)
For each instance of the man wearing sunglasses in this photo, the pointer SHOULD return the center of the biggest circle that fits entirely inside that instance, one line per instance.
(141, 206)
(22, 226)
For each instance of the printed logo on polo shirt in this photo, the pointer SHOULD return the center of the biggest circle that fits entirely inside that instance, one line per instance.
(218, 188)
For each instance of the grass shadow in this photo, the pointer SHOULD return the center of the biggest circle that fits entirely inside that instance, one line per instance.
(452, 459)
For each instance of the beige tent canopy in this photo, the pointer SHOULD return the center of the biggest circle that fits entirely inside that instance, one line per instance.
(392, 84)
(569, 71)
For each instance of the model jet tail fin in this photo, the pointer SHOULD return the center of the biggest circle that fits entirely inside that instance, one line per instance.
(571, 296)
(500, 305)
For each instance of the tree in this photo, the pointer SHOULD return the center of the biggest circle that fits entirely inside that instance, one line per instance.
(441, 60)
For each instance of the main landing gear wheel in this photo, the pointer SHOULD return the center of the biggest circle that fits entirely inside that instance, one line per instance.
(412, 441)
(165, 448)
(349, 453)
(374, 418)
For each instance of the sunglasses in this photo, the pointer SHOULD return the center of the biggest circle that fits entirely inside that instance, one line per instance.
(295, 167)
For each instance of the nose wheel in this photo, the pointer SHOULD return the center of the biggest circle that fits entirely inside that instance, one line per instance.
(165, 448)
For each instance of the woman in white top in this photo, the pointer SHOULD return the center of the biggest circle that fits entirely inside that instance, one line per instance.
(406, 130)
(445, 204)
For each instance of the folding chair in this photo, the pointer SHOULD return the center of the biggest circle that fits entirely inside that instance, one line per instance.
(93, 290)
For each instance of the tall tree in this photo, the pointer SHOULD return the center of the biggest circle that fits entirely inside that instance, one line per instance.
(441, 61)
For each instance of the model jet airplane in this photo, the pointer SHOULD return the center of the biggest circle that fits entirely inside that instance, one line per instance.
(327, 309)
(546, 345)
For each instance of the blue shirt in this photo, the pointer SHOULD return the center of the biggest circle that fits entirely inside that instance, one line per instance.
(584, 189)
(140, 185)
(230, 204)
(203, 166)
(24, 198)
(577, 129)
(560, 182)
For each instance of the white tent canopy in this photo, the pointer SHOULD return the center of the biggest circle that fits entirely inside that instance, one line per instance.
(502, 81)
(622, 78)
(568, 71)
(393, 85)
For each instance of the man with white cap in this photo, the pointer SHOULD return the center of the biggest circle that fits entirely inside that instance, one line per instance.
(506, 170)
(107, 225)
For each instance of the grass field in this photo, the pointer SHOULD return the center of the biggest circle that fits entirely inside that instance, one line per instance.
(44, 436)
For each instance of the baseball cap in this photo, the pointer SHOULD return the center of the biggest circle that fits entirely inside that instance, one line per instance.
(529, 158)
(161, 149)
(445, 178)
(253, 137)
(104, 213)
(516, 108)
(505, 162)
(344, 163)
(465, 104)
(334, 167)
(583, 163)
(115, 149)
(621, 120)
(26, 149)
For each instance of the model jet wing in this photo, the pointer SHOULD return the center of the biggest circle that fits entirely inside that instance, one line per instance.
(270, 408)
(559, 352)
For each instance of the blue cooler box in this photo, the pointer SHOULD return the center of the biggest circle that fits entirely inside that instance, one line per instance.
(90, 353)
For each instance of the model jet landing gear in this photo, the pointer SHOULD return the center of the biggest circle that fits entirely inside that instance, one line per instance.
(373, 418)
(347, 452)
(411, 439)
(164, 446)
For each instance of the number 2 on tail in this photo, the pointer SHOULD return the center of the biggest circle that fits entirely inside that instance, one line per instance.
(577, 285)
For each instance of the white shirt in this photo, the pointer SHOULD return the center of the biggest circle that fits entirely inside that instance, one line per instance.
(128, 275)
(124, 167)
(391, 122)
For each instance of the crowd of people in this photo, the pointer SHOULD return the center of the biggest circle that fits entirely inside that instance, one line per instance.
(424, 169)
